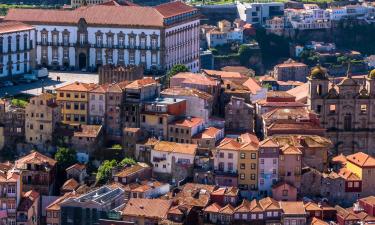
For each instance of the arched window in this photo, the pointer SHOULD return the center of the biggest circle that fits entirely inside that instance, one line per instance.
(348, 122)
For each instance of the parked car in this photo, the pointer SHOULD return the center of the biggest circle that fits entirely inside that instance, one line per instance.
(7, 83)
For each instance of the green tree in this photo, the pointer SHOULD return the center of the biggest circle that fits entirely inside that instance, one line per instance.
(65, 157)
(104, 171)
(244, 54)
(178, 68)
(127, 161)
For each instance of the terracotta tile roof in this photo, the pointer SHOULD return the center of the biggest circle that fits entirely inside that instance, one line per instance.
(228, 191)
(76, 166)
(175, 210)
(13, 26)
(147, 185)
(228, 209)
(195, 78)
(210, 132)
(56, 204)
(181, 91)
(293, 208)
(361, 159)
(88, 131)
(348, 175)
(229, 144)
(288, 114)
(224, 75)
(312, 206)
(148, 208)
(289, 83)
(188, 122)
(70, 185)
(131, 170)
(341, 159)
(239, 69)
(316, 221)
(279, 94)
(269, 143)
(99, 89)
(213, 208)
(174, 8)
(290, 150)
(35, 158)
(265, 103)
(103, 15)
(77, 86)
(252, 85)
(295, 126)
(291, 63)
(141, 83)
(369, 200)
(193, 194)
(301, 92)
(345, 214)
(173, 147)
(269, 204)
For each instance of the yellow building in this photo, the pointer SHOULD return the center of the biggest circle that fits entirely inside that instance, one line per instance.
(363, 166)
(248, 162)
(73, 99)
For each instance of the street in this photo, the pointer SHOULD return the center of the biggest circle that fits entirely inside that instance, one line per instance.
(49, 83)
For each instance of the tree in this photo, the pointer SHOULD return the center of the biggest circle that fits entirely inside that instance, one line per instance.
(104, 171)
(127, 161)
(65, 157)
(244, 54)
(178, 68)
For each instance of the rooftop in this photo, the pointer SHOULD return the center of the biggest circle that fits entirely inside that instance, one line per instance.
(90, 131)
(188, 122)
(180, 91)
(293, 208)
(77, 86)
(148, 208)
(173, 147)
(361, 159)
(132, 169)
(35, 158)
(13, 26)
(195, 78)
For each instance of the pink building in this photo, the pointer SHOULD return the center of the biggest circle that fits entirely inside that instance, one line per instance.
(284, 192)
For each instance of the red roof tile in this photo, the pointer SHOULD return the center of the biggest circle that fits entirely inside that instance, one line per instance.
(13, 26)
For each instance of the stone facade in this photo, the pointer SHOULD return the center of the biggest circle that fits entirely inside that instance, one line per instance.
(346, 110)
(239, 116)
(111, 74)
(291, 70)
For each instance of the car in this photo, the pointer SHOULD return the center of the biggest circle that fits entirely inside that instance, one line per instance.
(7, 83)
(25, 80)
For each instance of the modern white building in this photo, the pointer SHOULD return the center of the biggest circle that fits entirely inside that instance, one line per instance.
(258, 13)
(16, 49)
(308, 18)
(87, 37)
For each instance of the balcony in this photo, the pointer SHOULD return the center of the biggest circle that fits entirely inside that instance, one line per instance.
(158, 159)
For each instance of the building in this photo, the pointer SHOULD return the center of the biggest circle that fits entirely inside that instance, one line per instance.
(283, 191)
(130, 137)
(97, 103)
(291, 70)
(38, 173)
(87, 138)
(208, 138)
(53, 210)
(11, 192)
(134, 173)
(143, 150)
(173, 161)
(310, 18)
(135, 94)
(116, 74)
(259, 13)
(290, 165)
(248, 162)
(69, 186)
(74, 101)
(268, 170)
(42, 116)
(13, 121)
(72, 38)
(284, 121)
(224, 33)
(275, 25)
(293, 211)
(92, 206)
(182, 131)
(28, 210)
(78, 3)
(144, 211)
(198, 103)
(158, 113)
(147, 189)
(239, 116)
(17, 47)
(77, 172)
(347, 122)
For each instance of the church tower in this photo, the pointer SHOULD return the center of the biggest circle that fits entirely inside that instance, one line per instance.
(370, 83)
(318, 88)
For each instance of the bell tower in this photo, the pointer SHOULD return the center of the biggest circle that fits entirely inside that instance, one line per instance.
(318, 88)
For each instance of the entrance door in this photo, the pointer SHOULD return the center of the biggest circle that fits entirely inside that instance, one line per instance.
(82, 60)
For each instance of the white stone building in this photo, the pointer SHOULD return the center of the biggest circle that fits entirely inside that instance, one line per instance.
(97, 103)
(87, 37)
(17, 48)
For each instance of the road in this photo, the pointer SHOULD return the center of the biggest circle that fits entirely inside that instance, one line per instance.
(51, 82)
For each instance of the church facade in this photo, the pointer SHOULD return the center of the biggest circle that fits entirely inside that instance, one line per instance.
(346, 110)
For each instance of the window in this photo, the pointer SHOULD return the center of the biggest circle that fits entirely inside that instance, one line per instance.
(82, 38)
(242, 155)
(153, 59)
(318, 108)
(121, 41)
(66, 39)
(41, 127)
(131, 42)
(99, 40)
(44, 38)
(350, 184)
(253, 166)
(363, 108)
(285, 192)
(143, 42)
(160, 120)
(252, 176)
(253, 155)
(274, 171)
(356, 184)
(332, 109)
(230, 166)
(132, 57)
(221, 154)
(348, 122)
(281, 157)
(55, 53)
(54, 39)
(109, 41)
(66, 53)
(242, 166)
(154, 43)
(261, 161)
(230, 155)
(274, 161)
(242, 176)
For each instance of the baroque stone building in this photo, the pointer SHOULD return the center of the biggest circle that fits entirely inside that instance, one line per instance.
(346, 110)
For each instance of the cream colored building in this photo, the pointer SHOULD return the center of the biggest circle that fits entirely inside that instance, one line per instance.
(42, 115)
(78, 3)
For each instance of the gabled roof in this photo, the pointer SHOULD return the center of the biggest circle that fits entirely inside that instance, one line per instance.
(210, 132)
(28, 200)
(132, 169)
(76, 166)
(35, 158)
(77, 86)
(196, 78)
(70, 185)
(173, 147)
(55, 205)
(348, 175)
(316, 221)
(181, 91)
(228, 209)
(188, 122)
(13, 26)
(252, 85)
(175, 8)
(293, 208)
(290, 150)
(214, 207)
(141, 83)
(269, 204)
(269, 143)
(361, 159)
(148, 208)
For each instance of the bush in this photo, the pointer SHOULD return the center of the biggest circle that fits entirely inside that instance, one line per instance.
(105, 170)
